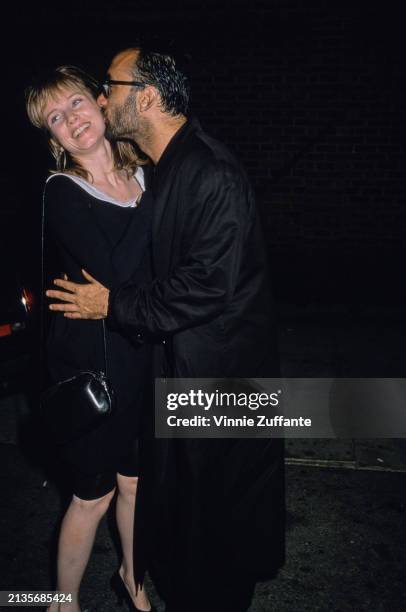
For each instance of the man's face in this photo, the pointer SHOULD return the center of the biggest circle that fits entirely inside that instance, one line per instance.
(120, 108)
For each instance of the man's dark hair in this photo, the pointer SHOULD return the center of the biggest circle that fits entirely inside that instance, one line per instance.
(162, 71)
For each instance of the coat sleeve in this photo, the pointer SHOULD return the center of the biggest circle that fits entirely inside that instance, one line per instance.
(203, 281)
(71, 223)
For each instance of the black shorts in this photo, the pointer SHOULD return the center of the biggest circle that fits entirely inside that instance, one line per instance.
(94, 486)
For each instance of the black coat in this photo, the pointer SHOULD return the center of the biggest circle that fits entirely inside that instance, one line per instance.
(211, 295)
(83, 231)
(206, 504)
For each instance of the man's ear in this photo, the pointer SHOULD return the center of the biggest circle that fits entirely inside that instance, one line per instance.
(147, 98)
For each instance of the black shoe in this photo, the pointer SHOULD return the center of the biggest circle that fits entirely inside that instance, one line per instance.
(119, 588)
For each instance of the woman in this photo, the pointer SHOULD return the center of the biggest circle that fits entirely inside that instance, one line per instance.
(98, 220)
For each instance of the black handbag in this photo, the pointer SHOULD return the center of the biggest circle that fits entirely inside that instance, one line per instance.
(73, 407)
(76, 406)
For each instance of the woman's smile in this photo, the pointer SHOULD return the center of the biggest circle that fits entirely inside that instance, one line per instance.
(79, 131)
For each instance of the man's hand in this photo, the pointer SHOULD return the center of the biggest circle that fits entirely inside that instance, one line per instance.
(88, 301)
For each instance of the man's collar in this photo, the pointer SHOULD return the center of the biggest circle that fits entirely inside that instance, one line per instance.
(164, 162)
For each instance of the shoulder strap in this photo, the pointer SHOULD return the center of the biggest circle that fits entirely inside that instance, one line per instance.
(41, 300)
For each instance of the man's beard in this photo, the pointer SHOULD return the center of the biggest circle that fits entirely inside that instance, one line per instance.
(122, 121)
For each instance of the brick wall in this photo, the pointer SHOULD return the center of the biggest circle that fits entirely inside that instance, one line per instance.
(309, 94)
(312, 102)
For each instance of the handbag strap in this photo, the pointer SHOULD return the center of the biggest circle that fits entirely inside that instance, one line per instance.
(105, 347)
(42, 299)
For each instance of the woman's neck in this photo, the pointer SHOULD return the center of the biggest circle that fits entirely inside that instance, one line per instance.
(100, 164)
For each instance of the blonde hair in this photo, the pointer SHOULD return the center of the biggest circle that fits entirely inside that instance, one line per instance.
(125, 156)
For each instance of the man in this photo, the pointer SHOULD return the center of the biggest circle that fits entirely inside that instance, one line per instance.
(212, 511)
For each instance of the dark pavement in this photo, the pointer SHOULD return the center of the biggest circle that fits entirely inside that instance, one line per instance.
(346, 541)
(346, 499)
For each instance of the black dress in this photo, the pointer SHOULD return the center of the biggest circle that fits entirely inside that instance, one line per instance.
(111, 242)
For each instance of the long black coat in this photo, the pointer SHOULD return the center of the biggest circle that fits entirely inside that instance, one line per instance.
(206, 504)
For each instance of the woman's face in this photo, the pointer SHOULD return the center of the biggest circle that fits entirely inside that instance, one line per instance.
(75, 121)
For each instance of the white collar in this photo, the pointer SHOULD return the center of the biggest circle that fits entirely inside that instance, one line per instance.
(100, 195)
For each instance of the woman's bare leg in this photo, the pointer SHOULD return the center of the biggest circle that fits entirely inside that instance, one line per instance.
(125, 508)
(76, 538)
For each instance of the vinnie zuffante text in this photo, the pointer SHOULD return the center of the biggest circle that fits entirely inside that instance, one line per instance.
(221, 400)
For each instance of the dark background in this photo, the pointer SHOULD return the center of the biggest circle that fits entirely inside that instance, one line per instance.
(310, 95)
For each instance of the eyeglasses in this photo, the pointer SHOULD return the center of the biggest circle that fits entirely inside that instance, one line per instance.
(106, 87)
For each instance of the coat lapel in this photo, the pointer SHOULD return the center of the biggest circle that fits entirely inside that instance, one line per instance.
(165, 170)
(163, 230)
(164, 191)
